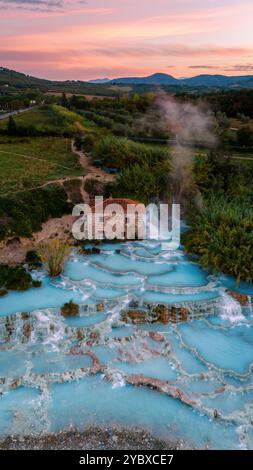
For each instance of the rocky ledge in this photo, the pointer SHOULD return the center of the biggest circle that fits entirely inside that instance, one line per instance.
(241, 298)
(93, 438)
(156, 314)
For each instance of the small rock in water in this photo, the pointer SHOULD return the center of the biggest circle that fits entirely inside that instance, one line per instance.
(215, 414)
(156, 336)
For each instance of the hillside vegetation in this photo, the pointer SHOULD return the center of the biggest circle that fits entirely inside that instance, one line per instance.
(26, 163)
(19, 82)
(127, 136)
(44, 120)
(221, 227)
(23, 213)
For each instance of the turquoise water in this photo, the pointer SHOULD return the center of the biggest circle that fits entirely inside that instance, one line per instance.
(48, 296)
(184, 274)
(46, 380)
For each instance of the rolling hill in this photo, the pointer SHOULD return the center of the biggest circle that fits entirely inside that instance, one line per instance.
(17, 80)
(217, 81)
(155, 79)
(12, 80)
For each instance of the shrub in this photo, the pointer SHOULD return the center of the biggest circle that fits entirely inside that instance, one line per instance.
(36, 283)
(11, 126)
(15, 278)
(94, 187)
(90, 251)
(70, 309)
(143, 183)
(245, 137)
(221, 234)
(54, 254)
(3, 292)
(33, 259)
(78, 141)
(119, 152)
(88, 142)
(25, 212)
(219, 174)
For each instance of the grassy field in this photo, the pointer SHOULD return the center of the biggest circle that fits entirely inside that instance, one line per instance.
(51, 118)
(30, 162)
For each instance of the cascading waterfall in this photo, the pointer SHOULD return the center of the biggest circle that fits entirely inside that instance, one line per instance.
(230, 309)
(250, 305)
(188, 378)
(48, 328)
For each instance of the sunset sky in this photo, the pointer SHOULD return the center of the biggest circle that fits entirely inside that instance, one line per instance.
(77, 39)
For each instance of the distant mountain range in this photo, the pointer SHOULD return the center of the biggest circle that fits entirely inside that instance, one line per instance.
(100, 80)
(220, 81)
(12, 79)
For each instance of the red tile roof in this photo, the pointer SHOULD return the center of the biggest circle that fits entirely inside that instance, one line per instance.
(123, 202)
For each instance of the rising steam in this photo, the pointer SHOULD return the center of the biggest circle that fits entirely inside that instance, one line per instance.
(189, 125)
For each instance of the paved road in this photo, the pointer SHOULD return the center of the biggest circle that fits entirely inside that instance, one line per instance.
(14, 113)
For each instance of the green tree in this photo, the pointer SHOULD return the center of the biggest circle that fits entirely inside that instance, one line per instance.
(143, 183)
(245, 137)
(12, 126)
(64, 100)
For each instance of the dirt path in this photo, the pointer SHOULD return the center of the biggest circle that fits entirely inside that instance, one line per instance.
(59, 181)
(91, 171)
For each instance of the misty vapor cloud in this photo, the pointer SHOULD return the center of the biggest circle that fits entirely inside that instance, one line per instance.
(172, 50)
(34, 5)
(202, 67)
(39, 5)
(33, 2)
(188, 123)
(240, 68)
(231, 68)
